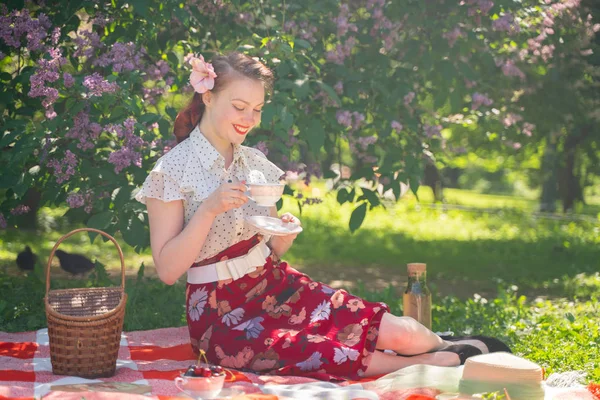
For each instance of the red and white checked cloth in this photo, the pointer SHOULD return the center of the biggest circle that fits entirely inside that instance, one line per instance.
(155, 358)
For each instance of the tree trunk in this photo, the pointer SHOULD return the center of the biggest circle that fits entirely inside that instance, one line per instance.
(549, 176)
(570, 186)
(433, 179)
(32, 200)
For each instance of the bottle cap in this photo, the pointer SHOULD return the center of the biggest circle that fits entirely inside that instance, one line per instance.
(414, 268)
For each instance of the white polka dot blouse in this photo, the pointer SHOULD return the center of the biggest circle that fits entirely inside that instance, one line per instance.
(194, 169)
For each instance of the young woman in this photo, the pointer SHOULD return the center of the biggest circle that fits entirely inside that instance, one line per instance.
(263, 316)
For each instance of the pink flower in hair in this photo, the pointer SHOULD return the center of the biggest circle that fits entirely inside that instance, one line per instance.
(203, 75)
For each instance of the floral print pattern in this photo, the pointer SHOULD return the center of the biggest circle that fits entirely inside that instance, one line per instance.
(278, 321)
(197, 303)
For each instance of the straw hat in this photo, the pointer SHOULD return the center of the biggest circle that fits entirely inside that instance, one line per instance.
(497, 372)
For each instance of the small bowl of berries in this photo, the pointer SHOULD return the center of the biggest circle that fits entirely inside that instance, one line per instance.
(202, 380)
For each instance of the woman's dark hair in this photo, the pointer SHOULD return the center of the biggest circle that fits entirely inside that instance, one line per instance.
(227, 67)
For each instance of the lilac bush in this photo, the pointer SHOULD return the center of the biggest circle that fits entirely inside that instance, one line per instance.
(91, 89)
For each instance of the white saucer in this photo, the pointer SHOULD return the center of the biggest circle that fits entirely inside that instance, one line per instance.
(226, 393)
(273, 226)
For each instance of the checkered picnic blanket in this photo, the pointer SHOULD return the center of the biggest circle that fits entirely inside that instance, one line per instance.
(156, 357)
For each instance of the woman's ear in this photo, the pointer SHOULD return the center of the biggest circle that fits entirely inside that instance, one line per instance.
(207, 98)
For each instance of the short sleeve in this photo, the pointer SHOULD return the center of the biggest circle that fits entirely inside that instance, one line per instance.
(159, 186)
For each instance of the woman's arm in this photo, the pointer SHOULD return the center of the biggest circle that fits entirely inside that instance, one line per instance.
(281, 244)
(175, 248)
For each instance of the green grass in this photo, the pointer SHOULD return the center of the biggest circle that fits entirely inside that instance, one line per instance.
(494, 269)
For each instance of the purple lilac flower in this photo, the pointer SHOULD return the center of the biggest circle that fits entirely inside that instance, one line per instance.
(528, 128)
(365, 141)
(122, 56)
(87, 43)
(510, 69)
(3, 223)
(479, 99)
(75, 200)
(65, 168)
(341, 51)
(409, 98)
(47, 71)
(344, 118)
(452, 36)
(432, 130)
(98, 85)
(397, 126)
(262, 147)
(84, 131)
(479, 6)
(506, 23)
(128, 154)
(511, 119)
(20, 210)
(18, 24)
(68, 79)
(123, 158)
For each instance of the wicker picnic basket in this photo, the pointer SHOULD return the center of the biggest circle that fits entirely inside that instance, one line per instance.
(85, 324)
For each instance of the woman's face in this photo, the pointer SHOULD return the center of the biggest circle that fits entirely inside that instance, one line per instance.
(236, 109)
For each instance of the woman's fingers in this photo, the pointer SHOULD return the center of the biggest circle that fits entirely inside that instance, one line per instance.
(236, 194)
(235, 186)
(287, 217)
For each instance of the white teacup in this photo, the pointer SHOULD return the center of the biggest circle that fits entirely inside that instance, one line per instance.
(265, 194)
(200, 387)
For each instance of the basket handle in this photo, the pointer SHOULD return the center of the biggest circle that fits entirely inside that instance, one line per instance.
(106, 235)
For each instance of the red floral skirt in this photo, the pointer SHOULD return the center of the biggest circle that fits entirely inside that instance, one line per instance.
(277, 320)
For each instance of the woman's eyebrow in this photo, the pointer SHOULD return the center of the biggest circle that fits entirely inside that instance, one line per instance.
(244, 101)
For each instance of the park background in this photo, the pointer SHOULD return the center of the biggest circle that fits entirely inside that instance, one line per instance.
(463, 134)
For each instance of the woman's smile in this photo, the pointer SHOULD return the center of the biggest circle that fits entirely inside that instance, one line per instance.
(242, 130)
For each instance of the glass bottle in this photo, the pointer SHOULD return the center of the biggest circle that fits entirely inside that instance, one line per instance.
(417, 297)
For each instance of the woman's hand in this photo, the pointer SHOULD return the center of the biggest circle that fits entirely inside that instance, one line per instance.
(281, 244)
(226, 197)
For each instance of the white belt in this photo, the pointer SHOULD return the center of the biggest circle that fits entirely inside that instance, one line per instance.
(233, 268)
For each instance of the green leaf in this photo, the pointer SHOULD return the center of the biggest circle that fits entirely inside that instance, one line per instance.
(342, 196)
(371, 197)
(456, 101)
(122, 197)
(172, 57)
(287, 119)
(358, 216)
(414, 187)
(149, 118)
(140, 273)
(140, 7)
(268, 113)
(171, 112)
(329, 90)
(134, 232)
(303, 43)
(301, 88)
(101, 220)
(570, 317)
(315, 135)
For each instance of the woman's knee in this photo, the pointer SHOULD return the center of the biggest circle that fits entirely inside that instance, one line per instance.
(398, 332)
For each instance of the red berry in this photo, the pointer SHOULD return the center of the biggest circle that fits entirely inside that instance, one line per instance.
(206, 372)
(198, 370)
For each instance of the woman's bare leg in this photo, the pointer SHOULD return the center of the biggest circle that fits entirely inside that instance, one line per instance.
(406, 336)
(382, 363)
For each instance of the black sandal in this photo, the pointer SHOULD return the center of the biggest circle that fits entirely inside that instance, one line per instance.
(494, 345)
(463, 351)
